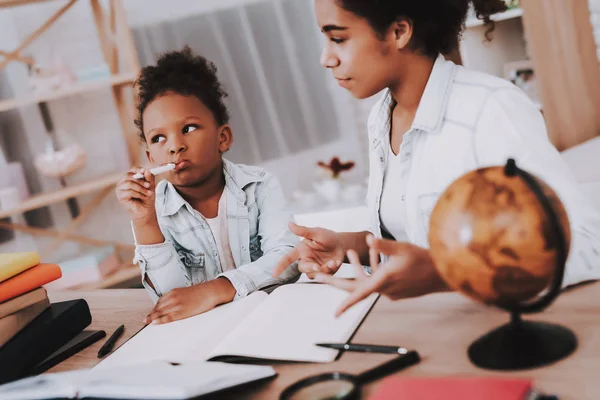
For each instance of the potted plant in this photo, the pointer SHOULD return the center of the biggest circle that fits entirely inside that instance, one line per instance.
(330, 187)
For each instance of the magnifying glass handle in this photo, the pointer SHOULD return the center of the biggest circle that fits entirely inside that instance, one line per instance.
(398, 363)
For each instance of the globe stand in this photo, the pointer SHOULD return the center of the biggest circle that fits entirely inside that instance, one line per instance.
(521, 345)
(528, 344)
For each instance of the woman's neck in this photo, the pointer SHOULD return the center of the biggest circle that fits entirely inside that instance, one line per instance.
(409, 87)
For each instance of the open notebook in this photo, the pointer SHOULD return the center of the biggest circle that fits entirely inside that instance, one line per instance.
(283, 325)
(151, 381)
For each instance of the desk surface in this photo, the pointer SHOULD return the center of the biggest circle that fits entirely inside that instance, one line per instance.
(439, 326)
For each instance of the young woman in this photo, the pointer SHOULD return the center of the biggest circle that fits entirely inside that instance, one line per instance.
(434, 122)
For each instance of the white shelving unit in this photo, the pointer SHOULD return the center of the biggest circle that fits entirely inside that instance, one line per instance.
(117, 46)
(507, 44)
(75, 89)
(509, 14)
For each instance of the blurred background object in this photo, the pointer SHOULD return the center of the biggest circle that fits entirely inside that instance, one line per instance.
(288, 113)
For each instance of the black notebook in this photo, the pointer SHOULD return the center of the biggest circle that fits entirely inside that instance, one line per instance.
(57, 325)
(80, 342)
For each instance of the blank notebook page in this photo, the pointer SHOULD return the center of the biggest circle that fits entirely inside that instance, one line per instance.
(189, 339)
(287, 325)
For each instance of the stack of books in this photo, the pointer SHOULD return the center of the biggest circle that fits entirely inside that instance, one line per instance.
(31, 328)
(22, 297)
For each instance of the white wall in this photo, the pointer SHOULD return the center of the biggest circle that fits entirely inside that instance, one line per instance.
(146, 11)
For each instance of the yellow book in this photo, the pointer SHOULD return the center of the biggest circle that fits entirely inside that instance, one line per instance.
(12, 264)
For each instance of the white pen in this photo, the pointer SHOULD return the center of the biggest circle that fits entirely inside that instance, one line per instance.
(157, 170)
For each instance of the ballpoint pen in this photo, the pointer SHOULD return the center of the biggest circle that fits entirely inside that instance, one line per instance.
(364, 348)
(110, 342)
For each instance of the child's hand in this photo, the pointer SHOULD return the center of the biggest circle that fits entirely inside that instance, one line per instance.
(137, 195)
(186, 302)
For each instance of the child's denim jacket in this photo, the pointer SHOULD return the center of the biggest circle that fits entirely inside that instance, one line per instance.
(257, 220)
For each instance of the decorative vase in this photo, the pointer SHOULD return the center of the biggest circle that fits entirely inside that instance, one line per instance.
(329, 189)
(56, 163)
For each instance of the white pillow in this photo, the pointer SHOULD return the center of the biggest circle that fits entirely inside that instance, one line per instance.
(584, 160)
(355, 219)
(592, 190)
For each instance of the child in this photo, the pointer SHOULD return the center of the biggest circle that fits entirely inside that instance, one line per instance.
(213, 230)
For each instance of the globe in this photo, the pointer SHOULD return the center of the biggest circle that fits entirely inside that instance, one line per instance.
(492, 239)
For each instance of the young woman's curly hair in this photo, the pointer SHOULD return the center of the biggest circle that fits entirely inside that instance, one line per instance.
(437, 24)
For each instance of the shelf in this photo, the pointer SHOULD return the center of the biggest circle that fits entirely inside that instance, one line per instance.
(75, 89)
(509, 14)
(45, 199)
(14, 3)
(126, 276)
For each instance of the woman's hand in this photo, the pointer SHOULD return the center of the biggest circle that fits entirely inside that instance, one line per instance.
(138, 195)
(408, 272)
(186, 302)
(321, 250)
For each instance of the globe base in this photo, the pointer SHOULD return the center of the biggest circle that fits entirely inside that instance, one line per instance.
(522, 345)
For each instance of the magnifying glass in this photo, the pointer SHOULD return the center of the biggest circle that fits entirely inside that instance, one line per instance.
(341, 386)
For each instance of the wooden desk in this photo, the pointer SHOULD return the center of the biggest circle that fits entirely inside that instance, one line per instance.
(439, 326)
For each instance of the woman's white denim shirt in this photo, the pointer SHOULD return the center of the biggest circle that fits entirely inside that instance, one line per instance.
(257, 220)
(468, 120)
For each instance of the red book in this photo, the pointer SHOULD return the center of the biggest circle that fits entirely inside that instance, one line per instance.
(454, 388)
(28, 280)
